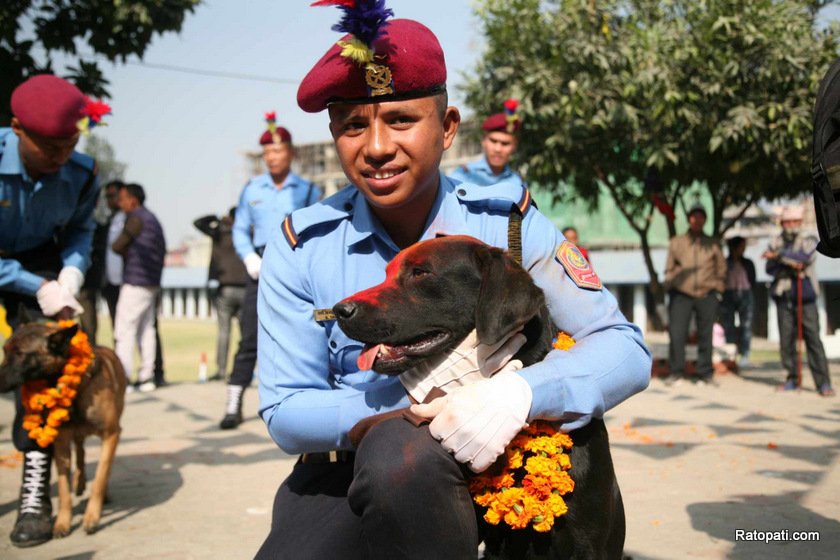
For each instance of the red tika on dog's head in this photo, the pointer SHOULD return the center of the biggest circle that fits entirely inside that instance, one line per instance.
(434, 294)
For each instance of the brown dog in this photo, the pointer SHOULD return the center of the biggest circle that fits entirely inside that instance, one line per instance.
(37, 351)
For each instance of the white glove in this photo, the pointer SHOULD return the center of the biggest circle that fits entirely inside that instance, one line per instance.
(53, 298)
(252, 265)
(71, 278)
(471, 361)
(476, 422)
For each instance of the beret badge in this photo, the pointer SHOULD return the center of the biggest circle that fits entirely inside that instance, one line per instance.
(364, 20)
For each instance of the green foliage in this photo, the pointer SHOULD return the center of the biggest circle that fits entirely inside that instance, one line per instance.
(115, 29)
(715, 91)
(110, 168)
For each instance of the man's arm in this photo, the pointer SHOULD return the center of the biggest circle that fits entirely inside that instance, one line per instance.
(609, 361)
(672, 265)
(305, 408)
(132, 228)
(242, 225)
(720, 269)
(208, 225)
(15, 278)
(804, 255)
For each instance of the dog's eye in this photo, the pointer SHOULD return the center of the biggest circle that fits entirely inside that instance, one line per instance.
(418, 272)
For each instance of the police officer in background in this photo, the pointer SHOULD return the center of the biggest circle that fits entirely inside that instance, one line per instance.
(498, 143)
(265, 201)
(403, 490)
(47, 196)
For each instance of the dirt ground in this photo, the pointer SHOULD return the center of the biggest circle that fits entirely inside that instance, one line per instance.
(695, 465)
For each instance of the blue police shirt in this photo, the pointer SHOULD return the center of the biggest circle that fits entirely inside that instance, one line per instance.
(262, 208)
(478, 172)
(311, 390)
(32, 212)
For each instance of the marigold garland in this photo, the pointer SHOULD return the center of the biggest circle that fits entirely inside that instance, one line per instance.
(526, 486)
(47, 407)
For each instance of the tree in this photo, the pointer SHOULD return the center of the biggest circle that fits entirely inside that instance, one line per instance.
(109, 169)
(115, 29)
(106, 161)
(645, 97)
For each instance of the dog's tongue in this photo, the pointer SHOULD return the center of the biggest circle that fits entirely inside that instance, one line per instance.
(368, 356)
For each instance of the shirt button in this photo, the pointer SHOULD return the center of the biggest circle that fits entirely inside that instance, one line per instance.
(333, 344)
(462, 192)
(348, 206)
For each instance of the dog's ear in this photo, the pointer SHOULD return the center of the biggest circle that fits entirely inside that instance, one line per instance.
(59, 341)
(507, 298)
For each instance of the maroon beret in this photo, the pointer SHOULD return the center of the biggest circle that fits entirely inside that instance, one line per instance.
(407, 49)
(282, 135)
(499, 123)
(49, 106)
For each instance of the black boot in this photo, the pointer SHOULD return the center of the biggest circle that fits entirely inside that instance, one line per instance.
(34, 522)
(233, 410)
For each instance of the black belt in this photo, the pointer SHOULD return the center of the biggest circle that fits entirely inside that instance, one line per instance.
(328, 457)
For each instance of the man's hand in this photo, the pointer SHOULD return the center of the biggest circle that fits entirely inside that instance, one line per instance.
(253, 262)
(768, 254)
(476, 422)
(71, 278)
(471, 361)
(53, 298)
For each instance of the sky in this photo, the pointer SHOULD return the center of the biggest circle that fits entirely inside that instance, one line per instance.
(183, 135)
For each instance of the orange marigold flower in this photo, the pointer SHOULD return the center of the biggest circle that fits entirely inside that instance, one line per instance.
(542, 444)
(562, 440)
(492, 516)
(563, 341)
(38, 396)
(543, 523)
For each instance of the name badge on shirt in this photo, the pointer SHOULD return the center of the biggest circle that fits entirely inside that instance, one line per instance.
(577, 267)
(255, 202)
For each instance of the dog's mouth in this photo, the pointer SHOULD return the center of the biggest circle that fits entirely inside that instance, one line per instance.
(390, 358)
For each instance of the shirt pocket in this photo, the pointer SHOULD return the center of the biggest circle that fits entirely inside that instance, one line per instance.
(344, 352)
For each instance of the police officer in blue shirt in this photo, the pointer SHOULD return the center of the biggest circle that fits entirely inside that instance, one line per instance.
(498, 143)
(390, 122)
(47, 196)
(265, 201)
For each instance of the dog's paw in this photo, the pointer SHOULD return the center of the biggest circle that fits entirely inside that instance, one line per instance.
(90, 523)
(61, 529)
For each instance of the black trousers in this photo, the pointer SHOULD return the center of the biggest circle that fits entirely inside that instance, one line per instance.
(246, 355)
(705, 310)
(817, 362)
(403, 497)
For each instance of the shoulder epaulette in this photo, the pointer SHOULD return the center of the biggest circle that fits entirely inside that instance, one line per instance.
(496, 197)
(85, 161)
(333, 209)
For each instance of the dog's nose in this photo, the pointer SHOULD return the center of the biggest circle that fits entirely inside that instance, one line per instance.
(345, 309)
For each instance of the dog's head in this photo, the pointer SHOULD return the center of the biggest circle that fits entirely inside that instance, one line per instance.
(35, 351)
(435, 293)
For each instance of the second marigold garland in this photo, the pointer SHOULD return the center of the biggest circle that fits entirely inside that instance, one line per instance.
(48, 407)
(525, 487)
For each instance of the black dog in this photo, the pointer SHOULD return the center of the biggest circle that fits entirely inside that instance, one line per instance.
(436, 292)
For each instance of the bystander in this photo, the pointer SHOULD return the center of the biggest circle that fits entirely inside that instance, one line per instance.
(694, 277)
(229, 276)
(142, 245)
(790, 261)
